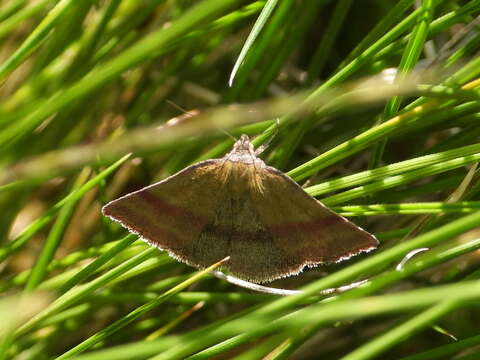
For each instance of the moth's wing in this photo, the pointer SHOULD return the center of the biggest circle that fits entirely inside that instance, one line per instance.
(254, 255)
(304, 231)
(176, 214)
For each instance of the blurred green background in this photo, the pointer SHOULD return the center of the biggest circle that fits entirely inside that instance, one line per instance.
(372, 106)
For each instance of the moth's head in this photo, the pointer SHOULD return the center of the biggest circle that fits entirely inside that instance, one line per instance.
(243, 145)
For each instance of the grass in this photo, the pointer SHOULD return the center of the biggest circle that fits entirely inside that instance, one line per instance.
(102, 98)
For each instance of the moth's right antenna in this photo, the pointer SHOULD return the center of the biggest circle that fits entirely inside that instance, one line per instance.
(267, 143)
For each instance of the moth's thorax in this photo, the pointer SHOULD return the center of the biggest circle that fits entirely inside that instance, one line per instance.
(242, 169)
(243, 152)
(240, 177)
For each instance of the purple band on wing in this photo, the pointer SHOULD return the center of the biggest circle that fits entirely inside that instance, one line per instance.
(306, 227)
(162, 207)
(139, 224)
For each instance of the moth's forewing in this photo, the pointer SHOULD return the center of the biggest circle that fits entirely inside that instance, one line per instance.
(172, 213)
(306, 229)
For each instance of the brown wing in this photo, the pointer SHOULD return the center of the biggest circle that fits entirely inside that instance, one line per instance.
(175, 214)
(254, 255)
(304, 231)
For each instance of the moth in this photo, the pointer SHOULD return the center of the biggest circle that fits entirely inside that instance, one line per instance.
(240, 207)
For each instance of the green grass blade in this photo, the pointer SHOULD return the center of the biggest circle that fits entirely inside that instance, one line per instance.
(54, 238)
(321, 55)
(368, 137)
(35, 39)
(389, 182)
(150, 46)
(135, 314)
(407, 63)
(257, 28)
(408, 209)
(76, 294)
(97, 263)
(73, 197)
(392, 169)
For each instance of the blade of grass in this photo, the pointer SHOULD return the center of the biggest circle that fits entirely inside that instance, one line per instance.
(407, 63)
(173, 347)
(62, 263)
(368, 137)
(426, 240)
(284, 152)
(79, 65)
(9, 24)
(323, 50)
(403, 331)
(135, 314)
(388, 20)
(55, 236)
(292, 36)
(397, 180)
(10, 8)
(414, 208)
(257, 28)
(411, 267)
(391, 170)
(259, 51)
(442, 351)
(334, 311)
(38, 224)
(97, 263)
(412, 326)
(35, 39)
(74, 295)
(438, 25)
(380, 282)
(149, 46)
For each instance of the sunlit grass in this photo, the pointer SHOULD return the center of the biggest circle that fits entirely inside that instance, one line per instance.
(102, 98)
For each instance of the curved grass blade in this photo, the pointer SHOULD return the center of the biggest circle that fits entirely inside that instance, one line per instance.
(257, 28)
